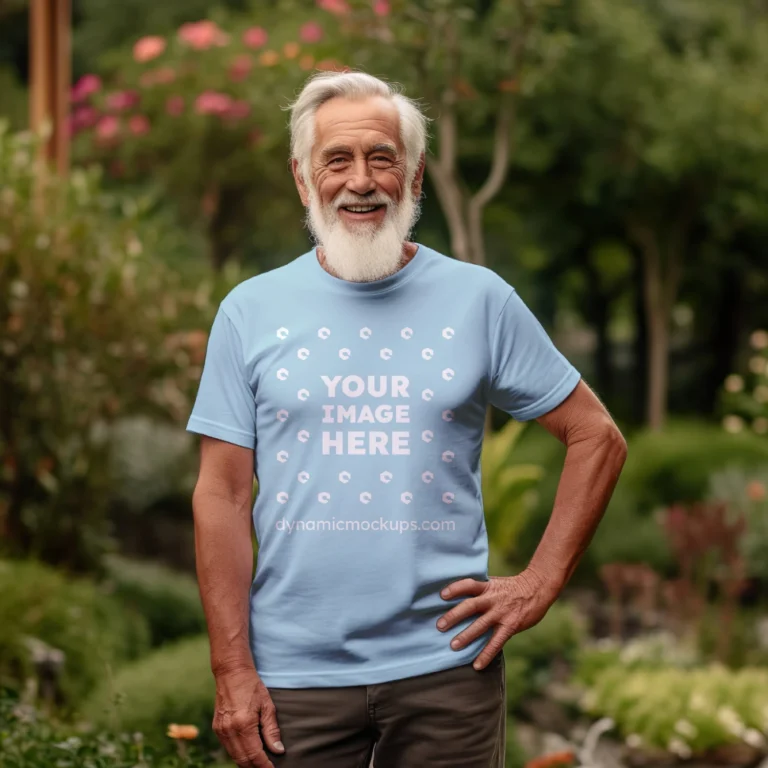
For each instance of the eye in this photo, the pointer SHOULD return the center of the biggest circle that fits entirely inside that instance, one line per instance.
(336, 160)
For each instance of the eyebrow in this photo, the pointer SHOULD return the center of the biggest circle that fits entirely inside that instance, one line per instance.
(345, 149)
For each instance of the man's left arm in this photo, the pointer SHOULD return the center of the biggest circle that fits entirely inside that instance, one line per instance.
(596, 451)
(595, 455)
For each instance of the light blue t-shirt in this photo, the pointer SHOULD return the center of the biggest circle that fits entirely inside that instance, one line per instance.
(365, 404)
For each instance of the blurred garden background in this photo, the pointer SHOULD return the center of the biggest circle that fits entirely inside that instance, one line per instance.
(609, 158)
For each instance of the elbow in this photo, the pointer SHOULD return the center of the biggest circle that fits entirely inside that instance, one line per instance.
(617, 444)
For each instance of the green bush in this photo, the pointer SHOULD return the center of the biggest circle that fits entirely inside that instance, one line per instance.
(647, 544)
(508, 489)
(685, 711)
(529, 655)
(171, 685)
(29, 739)
(168, 600)
(85, 306)
(661, 469)
(675, 465)
(73, 615)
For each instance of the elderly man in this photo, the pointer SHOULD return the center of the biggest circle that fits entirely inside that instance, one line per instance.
(354, 382)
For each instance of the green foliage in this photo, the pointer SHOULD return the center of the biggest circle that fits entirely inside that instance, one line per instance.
(30, 739)
(746, 493)
(85, 308)
(73, 615)
(529, 655)
(151, 462)
(675, 465)
(683, 710)
(167, 599)
(745, 397)
(507, 488)
(198, 110)
(646, 542)
(171, 685)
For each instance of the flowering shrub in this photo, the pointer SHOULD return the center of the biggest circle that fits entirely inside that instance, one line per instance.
(78, 623)
(93, 328)
(28, 739)
(745, 396)
(746, 493)
(200, 113)
(684, 711)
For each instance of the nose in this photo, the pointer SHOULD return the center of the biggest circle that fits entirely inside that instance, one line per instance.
(361, 181)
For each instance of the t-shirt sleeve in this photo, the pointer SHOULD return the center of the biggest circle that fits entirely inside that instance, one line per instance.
(225, 407)
(529, 375)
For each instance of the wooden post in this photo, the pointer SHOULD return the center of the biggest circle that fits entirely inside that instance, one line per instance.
(50, 23)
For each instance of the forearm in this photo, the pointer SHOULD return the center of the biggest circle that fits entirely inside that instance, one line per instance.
(591, 470)
(224, 562)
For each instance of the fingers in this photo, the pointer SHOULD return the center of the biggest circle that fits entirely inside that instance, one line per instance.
(270, 731)
(470, 587)
(239, 734)
(463, 610)
(477, 628)
(492, 647)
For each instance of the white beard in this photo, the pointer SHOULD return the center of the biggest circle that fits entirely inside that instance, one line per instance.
(363, 251)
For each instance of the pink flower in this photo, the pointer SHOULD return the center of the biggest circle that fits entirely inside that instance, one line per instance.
(237, 110)
(159, 76)
(255, 37)
(82, 118)
(241, 66)
(174, 105)
(212, 103)
(138, 125)
(381, 7)
(108, 127)
(148, 48)
(84, 87)
(311, 32)
(338, 7)
(202, 34)
(122, 100)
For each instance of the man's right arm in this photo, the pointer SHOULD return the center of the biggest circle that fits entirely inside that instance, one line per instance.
(245, 717)
(221, 504)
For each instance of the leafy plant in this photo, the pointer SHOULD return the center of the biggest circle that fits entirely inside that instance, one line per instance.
(172, 684)
(745, 395)
(85, 308)
(685, 711)
(199, 111)
(73, 616)
(167, 599)
(746, 494)
(507, 488)
(30, 739)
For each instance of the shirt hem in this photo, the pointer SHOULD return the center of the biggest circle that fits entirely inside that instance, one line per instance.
(552, 400)
(353, 677)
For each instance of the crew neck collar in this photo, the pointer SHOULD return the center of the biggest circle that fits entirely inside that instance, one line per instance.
(370, 286)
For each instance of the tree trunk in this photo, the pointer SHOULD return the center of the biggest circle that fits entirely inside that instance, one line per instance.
(640, 343)
(662, 270)
(658, 369)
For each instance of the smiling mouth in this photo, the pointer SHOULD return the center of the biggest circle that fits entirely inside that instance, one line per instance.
(361, 208)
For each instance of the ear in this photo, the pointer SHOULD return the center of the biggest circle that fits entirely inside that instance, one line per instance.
(300, 185)
(418, 177)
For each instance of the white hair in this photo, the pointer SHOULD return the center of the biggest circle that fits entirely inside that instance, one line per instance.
(324, 86)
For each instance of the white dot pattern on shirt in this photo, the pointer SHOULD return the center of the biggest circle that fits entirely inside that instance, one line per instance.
(385, 353)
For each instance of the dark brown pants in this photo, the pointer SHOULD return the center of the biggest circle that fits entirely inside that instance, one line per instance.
(455, 718)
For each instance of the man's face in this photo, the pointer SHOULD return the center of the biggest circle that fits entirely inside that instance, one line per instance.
(360, 205)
